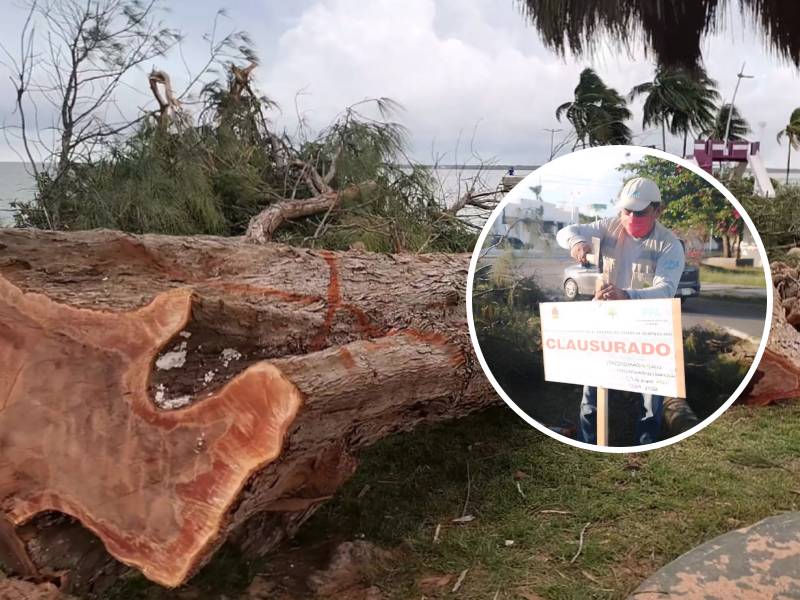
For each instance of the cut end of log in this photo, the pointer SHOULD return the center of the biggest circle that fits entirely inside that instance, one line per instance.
(155, 486)
(778, 373)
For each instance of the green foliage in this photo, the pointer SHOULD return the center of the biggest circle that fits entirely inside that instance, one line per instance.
(738, 128)
(362, 146)
(671, 31)
(713, 372)
(212, 178)
(597, 112)
(175, 171)
(678, 100)
(776, 219)
(506, 314)
(154, 182)
(395, 211)
(792, 130)
(792, 133)
(691, 204)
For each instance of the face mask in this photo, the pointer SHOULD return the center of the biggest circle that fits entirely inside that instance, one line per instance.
(639, 226)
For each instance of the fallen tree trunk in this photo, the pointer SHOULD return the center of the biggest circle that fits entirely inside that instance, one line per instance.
(778, 374)
(169, 394)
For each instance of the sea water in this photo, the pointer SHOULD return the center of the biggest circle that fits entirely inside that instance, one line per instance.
(15, 184)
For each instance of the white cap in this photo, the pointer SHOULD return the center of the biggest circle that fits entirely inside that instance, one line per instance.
(638, 193)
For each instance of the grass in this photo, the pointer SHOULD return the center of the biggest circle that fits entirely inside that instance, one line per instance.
(744, 276)
(642, 510)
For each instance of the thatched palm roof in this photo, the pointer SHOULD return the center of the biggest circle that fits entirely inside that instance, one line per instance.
(671, 30)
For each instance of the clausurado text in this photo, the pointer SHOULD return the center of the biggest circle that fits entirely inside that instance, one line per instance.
(608, 346)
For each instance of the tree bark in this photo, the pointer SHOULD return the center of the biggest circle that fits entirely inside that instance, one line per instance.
(263, 226)
(162, 395)
(726, 246)
(778, 374)
(788, 160)
(739, 236)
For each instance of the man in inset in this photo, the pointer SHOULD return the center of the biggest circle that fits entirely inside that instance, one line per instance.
(641, 259)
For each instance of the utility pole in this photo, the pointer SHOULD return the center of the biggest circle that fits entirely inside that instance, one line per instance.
(552, 136)
(739, 76)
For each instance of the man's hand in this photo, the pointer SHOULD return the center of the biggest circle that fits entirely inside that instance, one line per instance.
(611, 292)
(579, 251)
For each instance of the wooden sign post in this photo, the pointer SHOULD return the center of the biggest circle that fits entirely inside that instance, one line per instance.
(602, 416)
(602, 393)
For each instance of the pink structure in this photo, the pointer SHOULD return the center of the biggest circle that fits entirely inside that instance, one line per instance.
(741, 151)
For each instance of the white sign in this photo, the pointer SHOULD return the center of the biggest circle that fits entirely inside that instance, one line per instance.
(633, 345)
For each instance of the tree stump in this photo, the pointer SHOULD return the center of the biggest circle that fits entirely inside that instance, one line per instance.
(162, 395)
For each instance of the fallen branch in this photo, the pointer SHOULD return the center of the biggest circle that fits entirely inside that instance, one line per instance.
(580, 545)
(240, 80)
(263, 226)
(460, 580)
(166, 102)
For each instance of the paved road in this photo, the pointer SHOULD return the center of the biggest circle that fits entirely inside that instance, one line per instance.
(745, 315)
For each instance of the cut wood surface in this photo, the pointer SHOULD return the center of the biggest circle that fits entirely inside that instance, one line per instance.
(169, 394)
(778, 374)
(17, 589)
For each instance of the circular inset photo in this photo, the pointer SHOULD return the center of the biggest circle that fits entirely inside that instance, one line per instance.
(619, 298)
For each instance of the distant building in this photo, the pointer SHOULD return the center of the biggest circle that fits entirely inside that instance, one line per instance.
(518, 220)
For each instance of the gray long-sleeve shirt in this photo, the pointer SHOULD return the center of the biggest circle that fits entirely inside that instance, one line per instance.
(648, 267)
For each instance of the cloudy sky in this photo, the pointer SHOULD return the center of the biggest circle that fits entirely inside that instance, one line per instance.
(582, 179)
(472, 75)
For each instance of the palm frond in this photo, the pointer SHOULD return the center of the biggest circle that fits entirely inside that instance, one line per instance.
(672, 30)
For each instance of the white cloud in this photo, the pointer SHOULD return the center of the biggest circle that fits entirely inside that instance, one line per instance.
(447, 83)
(458, 65)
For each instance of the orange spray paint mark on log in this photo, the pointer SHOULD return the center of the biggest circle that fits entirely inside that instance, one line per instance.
(334, 301)
(347, 358)
(133, 252)
(365, 325)
(435, 338)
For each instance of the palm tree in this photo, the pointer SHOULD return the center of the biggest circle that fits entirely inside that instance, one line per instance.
(597, 112)
(671, 30)
(677, 100)
(739, 127)
(792, 133)
(698, 115)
